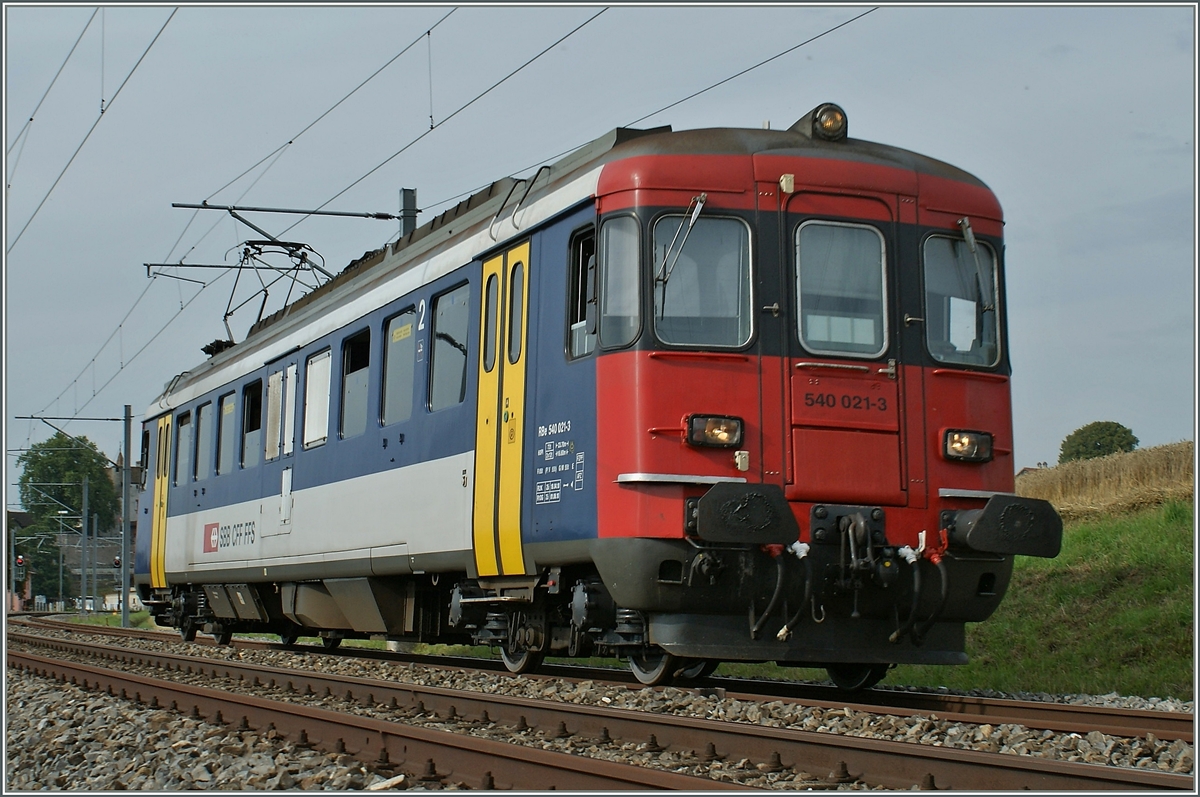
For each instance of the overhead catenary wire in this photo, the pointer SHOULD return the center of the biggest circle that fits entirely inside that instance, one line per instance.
(756, 66)
(455, 113)
(89, 133)
(22, 135)
(693, 95)
(153, 338)
(53, 81)
(333, 107)
(276, 153)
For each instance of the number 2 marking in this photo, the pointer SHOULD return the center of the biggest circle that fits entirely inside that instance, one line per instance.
(421, 320)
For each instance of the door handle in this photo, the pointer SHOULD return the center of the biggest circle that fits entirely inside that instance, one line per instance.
(773, 309)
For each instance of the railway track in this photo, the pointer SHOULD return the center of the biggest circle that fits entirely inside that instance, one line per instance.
(846, 759)
(431, 757)
(1058, 717)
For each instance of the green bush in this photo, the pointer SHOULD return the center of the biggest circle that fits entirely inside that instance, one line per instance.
(1097, 439)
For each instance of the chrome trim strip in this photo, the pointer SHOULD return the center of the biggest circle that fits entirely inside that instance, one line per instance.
(842, 366)
(673, 478)
(952, 493)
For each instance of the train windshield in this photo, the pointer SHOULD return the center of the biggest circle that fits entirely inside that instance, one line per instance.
(702, 288)
(960, 302)
(840, 283)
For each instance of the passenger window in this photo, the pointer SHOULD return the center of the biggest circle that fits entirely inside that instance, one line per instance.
(226, 431)
(289, 410)
(316, 399)
(448, 358)
(399, 365)
(204, 457)
(839, 281)
(145, 456)
(516, 313)
(620, 296)
(581, 309)
(183, 447)
(356, 361)
(492, 300)
(274, 411)
(251, 423)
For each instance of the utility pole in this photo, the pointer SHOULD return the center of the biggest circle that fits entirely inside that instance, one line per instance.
(125, 518)
(83, 548)
(12, 561)
(95, 556)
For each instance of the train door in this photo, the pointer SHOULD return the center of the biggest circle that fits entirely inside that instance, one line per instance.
(279, 440)
(158, 520)
(846, 387)
(500, 423)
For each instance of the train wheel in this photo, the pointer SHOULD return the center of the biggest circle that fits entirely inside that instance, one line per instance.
(698, 668)
(521, 661)
(187, 631)
(289, 638)
(653, 668)
(331, 642)
(223, 637)
(856, 677)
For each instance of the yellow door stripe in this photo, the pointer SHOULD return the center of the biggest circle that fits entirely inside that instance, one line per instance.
(158, 527)
(512, 442)
(486, 424)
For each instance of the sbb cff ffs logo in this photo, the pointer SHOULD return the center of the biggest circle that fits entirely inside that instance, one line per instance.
(217, 537)
(212, 536)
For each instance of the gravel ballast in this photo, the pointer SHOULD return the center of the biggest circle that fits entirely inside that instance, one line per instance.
(1094, 747)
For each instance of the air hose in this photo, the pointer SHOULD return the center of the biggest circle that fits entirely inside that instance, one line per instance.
(919, 634)
(757, 626)
(801, 551)
(915, 561)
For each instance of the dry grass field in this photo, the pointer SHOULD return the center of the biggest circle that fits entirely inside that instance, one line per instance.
(1115, 484)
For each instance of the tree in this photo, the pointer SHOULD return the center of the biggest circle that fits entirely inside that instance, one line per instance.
(51, 480)
(1098, 439)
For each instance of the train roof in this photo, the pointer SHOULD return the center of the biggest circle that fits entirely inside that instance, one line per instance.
(628, 142)
(485, 206)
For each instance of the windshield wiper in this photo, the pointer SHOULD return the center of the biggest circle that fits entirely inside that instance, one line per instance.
(980, 278)
(668, 266)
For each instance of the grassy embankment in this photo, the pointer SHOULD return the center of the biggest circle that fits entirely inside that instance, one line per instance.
(1114, 611)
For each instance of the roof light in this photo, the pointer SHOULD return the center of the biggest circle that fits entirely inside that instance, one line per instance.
(826, 122)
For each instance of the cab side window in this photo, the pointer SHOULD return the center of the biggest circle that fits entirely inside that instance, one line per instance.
(581, 297)
(356, 362)
(251, 424)
(183, 448)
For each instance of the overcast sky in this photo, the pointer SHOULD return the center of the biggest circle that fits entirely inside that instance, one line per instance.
(1080, 119)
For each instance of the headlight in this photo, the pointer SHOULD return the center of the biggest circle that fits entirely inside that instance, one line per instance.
(714, 430)
(967, 446)
(829, 122)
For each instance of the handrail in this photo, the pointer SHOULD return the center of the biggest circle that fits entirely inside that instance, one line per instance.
(525, 196)
(986, 377)
(500, 209)
(841, 366)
